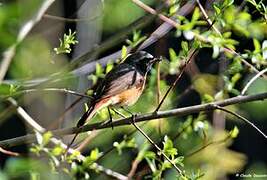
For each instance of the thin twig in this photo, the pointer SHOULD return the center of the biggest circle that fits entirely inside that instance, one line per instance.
(243, 119)
(10, 153)
(66, 91)
(158, 83)
(154, 12)
(133, 168)
(207, 18)
(57, 18)
(191, 54)
(158, 94)
(23, 32)
(87, 140)
(140, 118)
(207, 145)
(157, 147)
(252, 80)
(25, 116)
(225, 49)
(89, 67)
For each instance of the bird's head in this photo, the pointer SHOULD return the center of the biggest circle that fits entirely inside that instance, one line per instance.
(142, 60)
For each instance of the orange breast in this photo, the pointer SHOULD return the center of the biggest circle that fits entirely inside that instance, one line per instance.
(130, 96)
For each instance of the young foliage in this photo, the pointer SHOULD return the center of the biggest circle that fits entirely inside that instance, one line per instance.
(66, 43)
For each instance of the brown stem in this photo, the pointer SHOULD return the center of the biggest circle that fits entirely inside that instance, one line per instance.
(140, 118)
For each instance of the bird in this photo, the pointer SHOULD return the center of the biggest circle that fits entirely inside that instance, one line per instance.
(121, 87)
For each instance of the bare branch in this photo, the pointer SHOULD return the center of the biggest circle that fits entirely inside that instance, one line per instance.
(24, 115)
(140, 118)
(207, 18)
(154, 12)
(66, 91)
(157, 147)
(225, 49)
(252, 80)
(10, 153)
(190, 56)
(57, 18)
(243, 119)
(23, 32)
(207, 145)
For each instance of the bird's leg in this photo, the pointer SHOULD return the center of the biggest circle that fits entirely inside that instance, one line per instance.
(118, 112)
(110, 119)
(128, 111)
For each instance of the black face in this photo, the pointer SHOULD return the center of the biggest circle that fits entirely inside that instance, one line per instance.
(142, 60)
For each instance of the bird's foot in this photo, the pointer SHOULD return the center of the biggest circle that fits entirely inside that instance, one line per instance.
(107, 123)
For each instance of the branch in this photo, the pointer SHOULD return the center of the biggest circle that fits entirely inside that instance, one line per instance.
(157, 147)
(66, 91)
(191, 55)
(58, 18)
(10, 153)
(24, 115)
(252, 80)
(117, 38)
(23, 32)
(242, 118)
(207, 145)
(207, 18)
(231, 51)
(89, 67)
(140, 118)
(154, 12)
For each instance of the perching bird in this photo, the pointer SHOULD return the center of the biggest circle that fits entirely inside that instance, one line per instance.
(122, 86)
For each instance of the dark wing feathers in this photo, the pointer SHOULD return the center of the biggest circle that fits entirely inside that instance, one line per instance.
(116, 81)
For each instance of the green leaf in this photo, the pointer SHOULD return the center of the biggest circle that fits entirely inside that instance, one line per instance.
(65, 45)
(234, 132)
(168, 148)
(208, 98)
(257, 45)
(123, 52)
(185, 48)
(150, 155)
(173, 56)
(57, 150)
(126, 143)
(173, 9)
(196, 14)
(46, 137)
(109, 67)
(98, 70)
(217, 9)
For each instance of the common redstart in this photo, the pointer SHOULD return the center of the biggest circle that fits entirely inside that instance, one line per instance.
(122, 86)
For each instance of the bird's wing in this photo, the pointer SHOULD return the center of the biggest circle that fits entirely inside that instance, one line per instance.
(118, 80)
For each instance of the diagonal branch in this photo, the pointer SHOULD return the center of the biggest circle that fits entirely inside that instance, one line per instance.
(25, 116)
(66, 91)
(140, 118)
(10, 153)
(158, 148)
(23, 32)
(191, 55)
(154, 12)
(242, 118)
(225, 49)
(207, 145)
(252, 80)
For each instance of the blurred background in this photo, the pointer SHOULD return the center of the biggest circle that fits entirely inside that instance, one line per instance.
(102, 28)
